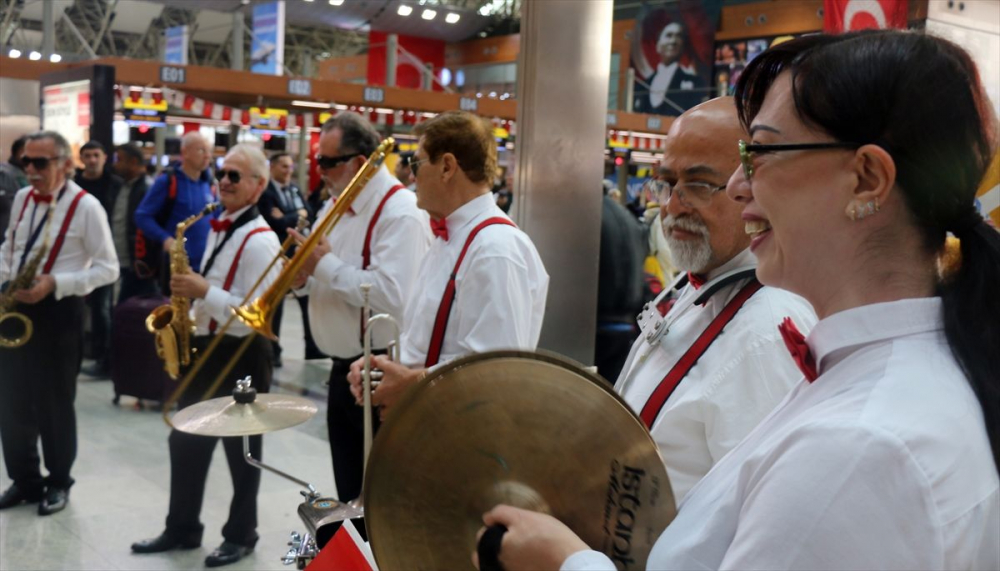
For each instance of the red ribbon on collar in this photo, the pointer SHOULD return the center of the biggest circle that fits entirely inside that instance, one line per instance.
(440, 228)
(797, 346)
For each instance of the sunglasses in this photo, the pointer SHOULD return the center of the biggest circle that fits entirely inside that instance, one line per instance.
(415, 164)
(327, 163)
(40, 163)
(693, 194)
(234, 176)
(747, 151)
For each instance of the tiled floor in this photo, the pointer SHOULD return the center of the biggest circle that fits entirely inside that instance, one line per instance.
(123, 475)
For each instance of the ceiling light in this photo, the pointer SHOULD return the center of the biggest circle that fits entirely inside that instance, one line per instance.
(428, 14)
(404, 10)
(336, 2)
(452, 18)
(34, 56)
(308, 0)
(15, 53)
(55, 58)
(493, 94)
(315, 104)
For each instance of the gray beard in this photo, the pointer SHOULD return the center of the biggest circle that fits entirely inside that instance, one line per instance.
(688, 255)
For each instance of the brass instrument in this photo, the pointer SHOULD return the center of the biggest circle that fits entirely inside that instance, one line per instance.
(171, 324)
(258, 314)
(22, 281)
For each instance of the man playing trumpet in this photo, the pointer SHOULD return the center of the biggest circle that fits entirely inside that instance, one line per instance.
(38, 378)
(237, 253)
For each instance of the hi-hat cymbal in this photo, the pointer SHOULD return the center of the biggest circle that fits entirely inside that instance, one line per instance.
(224, 416)
(528, 429)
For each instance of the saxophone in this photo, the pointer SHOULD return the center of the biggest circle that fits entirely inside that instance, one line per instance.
(171, 324)
(22, 281)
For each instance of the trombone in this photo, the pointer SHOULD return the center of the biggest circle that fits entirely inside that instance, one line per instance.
(259, 313)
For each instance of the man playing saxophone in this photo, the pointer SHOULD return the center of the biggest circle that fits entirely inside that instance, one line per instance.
(237, 253)
(37, 390)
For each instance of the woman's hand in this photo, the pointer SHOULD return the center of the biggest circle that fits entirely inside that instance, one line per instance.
(534, 541)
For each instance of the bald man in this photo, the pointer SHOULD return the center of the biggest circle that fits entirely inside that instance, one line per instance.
(709, 363)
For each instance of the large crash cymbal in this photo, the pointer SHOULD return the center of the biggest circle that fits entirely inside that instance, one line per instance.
(224, 416)
(528, 429)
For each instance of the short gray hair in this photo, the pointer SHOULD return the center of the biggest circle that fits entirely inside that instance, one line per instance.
(191, 136)
(358, 135)
(254, 157)
(62, 145)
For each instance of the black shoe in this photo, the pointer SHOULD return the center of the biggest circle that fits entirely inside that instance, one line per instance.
(276, 362)
(15, 496)
(161, 543)
(55, 500)
(227, 553)
(315, 353)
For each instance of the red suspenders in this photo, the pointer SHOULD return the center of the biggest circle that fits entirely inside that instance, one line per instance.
(366, 252)
(232, 268)
(54, 253)
(444, 310)
(680, 370)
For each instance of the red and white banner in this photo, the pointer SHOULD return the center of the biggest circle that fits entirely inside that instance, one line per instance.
(852, 15)
(345, 551)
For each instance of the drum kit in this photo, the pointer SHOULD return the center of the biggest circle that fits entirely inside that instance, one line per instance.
(529, 429)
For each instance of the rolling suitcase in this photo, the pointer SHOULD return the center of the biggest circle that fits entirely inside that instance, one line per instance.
(136, 370)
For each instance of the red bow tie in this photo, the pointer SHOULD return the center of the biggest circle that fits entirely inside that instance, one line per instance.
(796, 343)
(440, 228)
(696, 280)
(221, 226)
(39, 197)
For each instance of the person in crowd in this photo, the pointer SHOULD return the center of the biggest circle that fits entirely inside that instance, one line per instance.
(38, 379)
(404, 173)
(620, 286)
(237, 252)
(503, 191)
(12, 179)
(482, 269)
(885, 455)
(283, 206)
(130, 165)
(175, 195)
(102, 183)
(380, 241)
(676, 85)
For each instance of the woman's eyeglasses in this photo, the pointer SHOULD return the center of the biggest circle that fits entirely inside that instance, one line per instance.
(327, 163)
(693, 194)
(747, 151)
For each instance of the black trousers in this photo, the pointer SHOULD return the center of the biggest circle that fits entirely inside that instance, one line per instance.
(99, 304)
(345, 427)
(37, 391)
(191, 455)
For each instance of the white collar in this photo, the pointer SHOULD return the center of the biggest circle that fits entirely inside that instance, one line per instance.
(468, 212)
(235, 215)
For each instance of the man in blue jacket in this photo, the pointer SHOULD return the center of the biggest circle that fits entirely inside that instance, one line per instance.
(177, 194)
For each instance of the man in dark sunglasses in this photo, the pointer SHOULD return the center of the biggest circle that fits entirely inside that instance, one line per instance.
(38, 378)
(380, 241)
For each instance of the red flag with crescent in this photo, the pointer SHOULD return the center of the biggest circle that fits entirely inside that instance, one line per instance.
(852, 15)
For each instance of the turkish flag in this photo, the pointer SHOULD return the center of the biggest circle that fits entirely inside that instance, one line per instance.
(852, 15)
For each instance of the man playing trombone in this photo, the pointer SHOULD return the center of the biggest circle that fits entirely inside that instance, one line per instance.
(380, 241)
(238, 251)
(482, 284)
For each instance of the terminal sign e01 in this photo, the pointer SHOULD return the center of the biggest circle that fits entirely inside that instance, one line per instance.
(172, 74)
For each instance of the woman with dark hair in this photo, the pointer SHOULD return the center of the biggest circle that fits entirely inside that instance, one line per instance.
(866, 151)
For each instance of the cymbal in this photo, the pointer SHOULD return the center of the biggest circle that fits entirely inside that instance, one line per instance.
(533, 430)
(224, 416)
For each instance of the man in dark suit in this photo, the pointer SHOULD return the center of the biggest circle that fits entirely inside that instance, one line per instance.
(675, 87)
(130, 165)
(283, 206)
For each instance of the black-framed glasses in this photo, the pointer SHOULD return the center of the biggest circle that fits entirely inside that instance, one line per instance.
(693, 194)
(747, 151)
(234, 176)
(40, 163)
(327, 163)
(415, 164)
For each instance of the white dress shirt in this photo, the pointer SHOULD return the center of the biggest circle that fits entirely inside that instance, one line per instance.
(87, 259)
(500, 289)
(260, 249)
(398, 244)
(883, 462)
(742, 376)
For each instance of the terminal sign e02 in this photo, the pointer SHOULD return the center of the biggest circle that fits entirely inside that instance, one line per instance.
(374, 95)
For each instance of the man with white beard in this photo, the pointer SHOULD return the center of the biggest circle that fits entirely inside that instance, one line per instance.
(710, 362)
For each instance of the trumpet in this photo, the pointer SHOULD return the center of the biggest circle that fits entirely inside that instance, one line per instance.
(370, 377)
(258, 314)
(24, 279)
